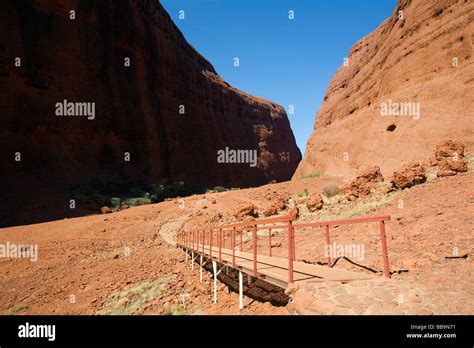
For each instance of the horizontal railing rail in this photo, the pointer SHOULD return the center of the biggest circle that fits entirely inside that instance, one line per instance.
(202, 239)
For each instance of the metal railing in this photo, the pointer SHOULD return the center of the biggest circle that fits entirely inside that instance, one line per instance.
(202, 240)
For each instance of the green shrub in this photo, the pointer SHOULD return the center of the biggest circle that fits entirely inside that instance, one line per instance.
(331, 190)
(220, 189)
(115, 202)
(177, 310)
(133, 202)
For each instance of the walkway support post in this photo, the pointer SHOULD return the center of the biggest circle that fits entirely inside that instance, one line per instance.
(328, 245)
(241, 290)
(386, 267)
(214, 268)
(233, 247)
(290, 252)
(192, 260)
(200, 269)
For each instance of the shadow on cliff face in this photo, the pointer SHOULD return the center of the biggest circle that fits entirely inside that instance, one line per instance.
(137, 111)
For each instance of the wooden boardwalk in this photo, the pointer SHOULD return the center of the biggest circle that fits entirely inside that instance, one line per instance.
(275, 269)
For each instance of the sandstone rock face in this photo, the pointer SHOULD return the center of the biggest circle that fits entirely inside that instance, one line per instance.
(167, 109)
(425, 57)
(409, 175)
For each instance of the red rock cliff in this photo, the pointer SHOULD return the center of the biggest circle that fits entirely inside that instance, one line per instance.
(137, 108)
(423, 58)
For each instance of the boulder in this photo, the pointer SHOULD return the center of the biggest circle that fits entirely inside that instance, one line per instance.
(244, 209)
(295, 212)
(449, 148)
(409, 175)
(449, 157)
(278, 205)
(448, 167)
(363, 184)
(315, 202)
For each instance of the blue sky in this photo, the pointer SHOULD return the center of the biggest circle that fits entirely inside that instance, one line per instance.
(290, 62)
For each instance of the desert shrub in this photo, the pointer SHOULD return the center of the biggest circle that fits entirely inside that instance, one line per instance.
(177, 310)
(134, 202)
(220, 189)
(20, 308)
(331, 190)
(115, 202)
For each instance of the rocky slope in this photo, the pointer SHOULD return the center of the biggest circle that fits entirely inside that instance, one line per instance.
(137, 107)
(422, 56)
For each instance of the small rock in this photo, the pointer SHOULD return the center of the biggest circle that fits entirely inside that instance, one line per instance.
(105, 210)
(291, 289)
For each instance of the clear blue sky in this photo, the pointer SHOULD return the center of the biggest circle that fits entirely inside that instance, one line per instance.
(290, 62)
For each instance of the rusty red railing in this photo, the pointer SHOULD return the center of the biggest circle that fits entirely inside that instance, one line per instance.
(204, 238)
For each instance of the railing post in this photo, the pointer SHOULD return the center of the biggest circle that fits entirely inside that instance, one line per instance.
(254, 250)
(294, 242)
(328, 245)
(210, 242)
(199, 240)
(241, 238)
(386, 267)
(203, 240)
(290, 252)
(233, 246)
(220, 245)
(270, 241)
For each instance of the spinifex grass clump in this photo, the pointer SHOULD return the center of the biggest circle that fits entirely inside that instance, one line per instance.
(311, 175)
(331, 190)
(132, 300)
